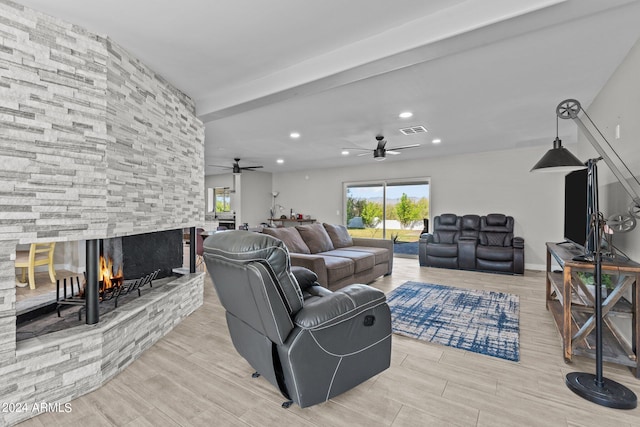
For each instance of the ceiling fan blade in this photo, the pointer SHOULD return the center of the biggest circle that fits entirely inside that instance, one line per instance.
(251, 167)
(356, 148)
(364, 154)
(404, 147)
(392, 152)
(220, 166)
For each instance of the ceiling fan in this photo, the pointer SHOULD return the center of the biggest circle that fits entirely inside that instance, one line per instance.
(380, 152)
(236, 167)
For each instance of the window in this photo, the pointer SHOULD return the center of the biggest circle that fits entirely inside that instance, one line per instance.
(210, 204)
(387, 209)
(223, 199)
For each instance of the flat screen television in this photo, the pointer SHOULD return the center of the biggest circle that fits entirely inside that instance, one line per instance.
(576, 216)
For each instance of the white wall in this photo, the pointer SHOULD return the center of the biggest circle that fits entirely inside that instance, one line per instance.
(70, 256)
(252, 198)
(256, 197)
(481, 183)
(618, 103)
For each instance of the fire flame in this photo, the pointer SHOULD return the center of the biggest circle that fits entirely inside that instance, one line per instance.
(106, 275)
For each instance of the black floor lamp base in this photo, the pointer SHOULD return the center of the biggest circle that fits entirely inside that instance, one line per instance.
(611, 394)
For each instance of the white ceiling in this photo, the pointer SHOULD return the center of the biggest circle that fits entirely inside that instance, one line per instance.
(479, 74)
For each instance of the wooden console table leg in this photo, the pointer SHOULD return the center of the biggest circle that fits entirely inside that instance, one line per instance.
(635, 339)
(566, 309)
(548, 282)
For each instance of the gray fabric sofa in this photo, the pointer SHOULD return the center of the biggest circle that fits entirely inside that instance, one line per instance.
(337, 258)
(308, 342)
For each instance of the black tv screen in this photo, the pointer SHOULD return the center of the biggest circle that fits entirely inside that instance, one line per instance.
(575, 207)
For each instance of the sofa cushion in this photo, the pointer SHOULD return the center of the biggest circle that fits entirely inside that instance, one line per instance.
(446, 228)
(338, 268)
(339, 235)
(363, 261)
(442, 250)
(382, 255)
(498, 220)
(494, 253)
(291, 238)
(496, 230)
(495, 239)
(316, 237)
(470, 226)
(449, 219)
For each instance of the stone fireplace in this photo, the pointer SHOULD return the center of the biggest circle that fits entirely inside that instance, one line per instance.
(94, 145)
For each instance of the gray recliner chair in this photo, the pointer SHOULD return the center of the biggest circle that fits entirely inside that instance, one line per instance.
(310, 343)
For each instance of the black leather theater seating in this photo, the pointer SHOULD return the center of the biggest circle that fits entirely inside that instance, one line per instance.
(473, 242)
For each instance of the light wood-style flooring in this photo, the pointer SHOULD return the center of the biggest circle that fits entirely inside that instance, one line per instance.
(194, 377)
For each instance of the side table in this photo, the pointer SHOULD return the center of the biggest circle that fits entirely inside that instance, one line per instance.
(572, 303)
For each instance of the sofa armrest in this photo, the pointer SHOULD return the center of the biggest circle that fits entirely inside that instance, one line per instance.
(314, 263)
(376, 243)
(339, 306)
(518, 242)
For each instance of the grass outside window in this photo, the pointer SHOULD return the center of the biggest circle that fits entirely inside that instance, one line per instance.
(376, 233)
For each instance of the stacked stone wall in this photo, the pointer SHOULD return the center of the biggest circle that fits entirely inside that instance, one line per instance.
(93, 144)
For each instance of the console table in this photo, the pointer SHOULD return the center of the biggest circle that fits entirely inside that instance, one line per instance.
(572, 304)
(285, 221)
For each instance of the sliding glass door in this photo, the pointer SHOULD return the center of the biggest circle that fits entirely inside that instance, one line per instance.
(387, 209)
(365, 210)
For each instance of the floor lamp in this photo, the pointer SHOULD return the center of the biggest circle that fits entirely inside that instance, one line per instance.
(595, 388)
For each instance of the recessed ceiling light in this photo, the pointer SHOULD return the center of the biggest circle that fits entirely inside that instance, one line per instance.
(436, 141)
(345, 152)
(280, 161)
(405, 114)
(294, 135)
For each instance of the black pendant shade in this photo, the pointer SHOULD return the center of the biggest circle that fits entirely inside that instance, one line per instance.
(558, 159)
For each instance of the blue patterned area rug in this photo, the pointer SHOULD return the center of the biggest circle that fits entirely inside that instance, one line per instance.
(479, 321)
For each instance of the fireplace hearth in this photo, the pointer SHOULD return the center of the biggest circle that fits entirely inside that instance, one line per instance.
(108, 270)
(70, 312)
(74, 299)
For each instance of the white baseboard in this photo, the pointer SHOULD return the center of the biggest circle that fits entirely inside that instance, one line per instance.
(536, 267)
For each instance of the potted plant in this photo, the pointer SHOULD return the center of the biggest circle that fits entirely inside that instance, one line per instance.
(588, 279)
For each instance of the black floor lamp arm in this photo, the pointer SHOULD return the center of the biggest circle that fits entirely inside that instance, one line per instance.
(569, 109)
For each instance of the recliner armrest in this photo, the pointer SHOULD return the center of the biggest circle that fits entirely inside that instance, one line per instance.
(305, 277)
(426, 237)
(518, 242)
(339, 306)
